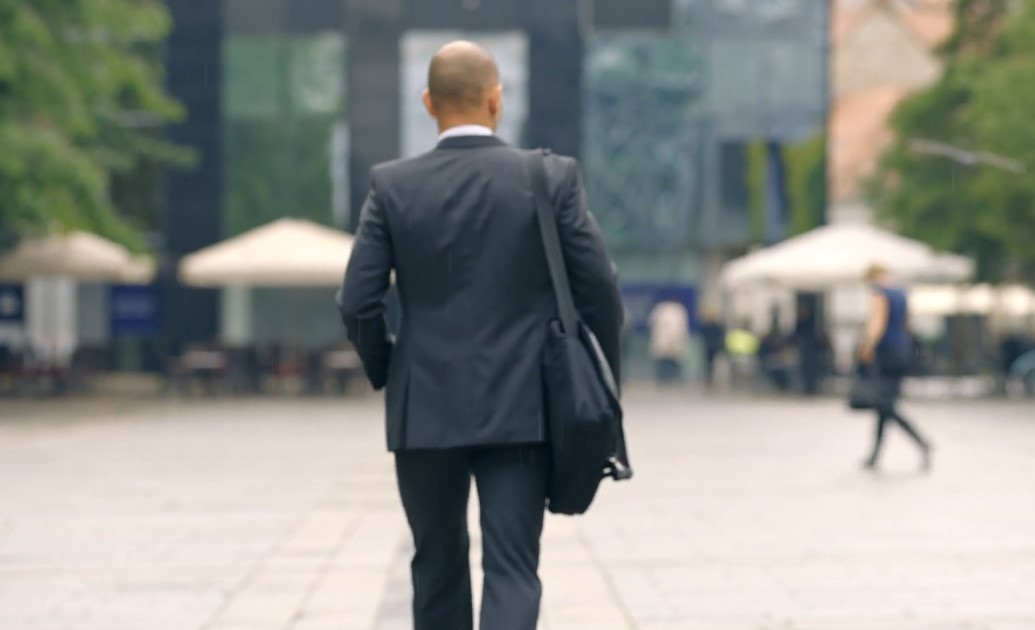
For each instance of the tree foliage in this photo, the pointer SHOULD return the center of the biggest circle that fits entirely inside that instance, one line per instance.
(81, 100)
(983, 103)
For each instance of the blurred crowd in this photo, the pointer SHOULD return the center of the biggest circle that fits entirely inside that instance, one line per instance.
(198, 369)
(801, 359)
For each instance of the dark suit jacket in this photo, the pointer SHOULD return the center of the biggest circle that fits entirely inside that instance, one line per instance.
(458, 227)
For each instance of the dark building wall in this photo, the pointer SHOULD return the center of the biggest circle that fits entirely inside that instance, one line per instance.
(555, 67)
(373, 28)
(192, 213)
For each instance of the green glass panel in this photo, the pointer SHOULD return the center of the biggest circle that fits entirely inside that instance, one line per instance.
(284, 99)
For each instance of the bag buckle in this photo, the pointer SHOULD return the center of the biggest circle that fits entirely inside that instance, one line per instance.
(617, 471)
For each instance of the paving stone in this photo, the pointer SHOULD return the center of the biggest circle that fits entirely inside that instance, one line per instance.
(744, 515)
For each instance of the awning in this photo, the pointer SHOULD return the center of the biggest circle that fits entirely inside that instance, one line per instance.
(287, 252)
(78, 255)
(839, 255)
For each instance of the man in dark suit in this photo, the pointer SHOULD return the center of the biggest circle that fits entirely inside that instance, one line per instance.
(464, 391)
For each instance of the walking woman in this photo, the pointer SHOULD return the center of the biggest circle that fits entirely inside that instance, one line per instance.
(886, 352)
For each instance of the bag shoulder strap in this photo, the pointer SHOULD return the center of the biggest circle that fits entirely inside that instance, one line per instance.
(619, 467)
(548, 230)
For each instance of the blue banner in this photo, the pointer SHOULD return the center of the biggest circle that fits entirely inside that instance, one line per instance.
(12, 304)
(641, 298)
(134, 310)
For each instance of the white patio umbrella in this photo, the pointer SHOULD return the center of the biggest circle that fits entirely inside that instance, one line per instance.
(140, 270)
(839, 255)
(79, 256)
(285, 253)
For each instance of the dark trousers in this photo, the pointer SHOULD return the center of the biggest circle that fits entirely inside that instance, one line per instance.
(668, 371)
(889, 414)
(810, 370)
(434, 486)
(710, 355)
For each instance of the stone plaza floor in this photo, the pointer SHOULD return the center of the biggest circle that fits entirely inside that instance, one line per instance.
(745, 514)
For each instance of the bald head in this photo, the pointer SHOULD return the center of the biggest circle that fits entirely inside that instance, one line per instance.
(464, 85)
(461, 75)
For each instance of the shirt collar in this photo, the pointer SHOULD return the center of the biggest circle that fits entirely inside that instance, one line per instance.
(465, 130)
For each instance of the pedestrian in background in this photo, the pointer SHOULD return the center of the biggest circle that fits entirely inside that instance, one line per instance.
(669, 341)
(713, 343)
(776, 359)
(808, 340)
(886, 353)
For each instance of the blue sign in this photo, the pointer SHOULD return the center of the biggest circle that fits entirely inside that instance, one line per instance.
(134, 310)
(12, 304)
(641, 298)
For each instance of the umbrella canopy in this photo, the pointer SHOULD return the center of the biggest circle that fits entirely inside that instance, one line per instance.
(839, 255)
(285, 253)
(77, 255)
(139, 270)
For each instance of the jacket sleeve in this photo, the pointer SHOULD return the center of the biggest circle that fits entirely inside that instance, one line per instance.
(592, 273)
(361, 300)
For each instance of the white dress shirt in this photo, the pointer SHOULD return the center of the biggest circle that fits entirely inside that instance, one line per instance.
(465, 130)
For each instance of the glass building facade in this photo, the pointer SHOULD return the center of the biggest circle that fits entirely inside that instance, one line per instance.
(668, 103)
(664, 109)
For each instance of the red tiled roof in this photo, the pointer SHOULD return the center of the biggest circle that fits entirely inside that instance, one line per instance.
(930, 21)
(859, 132)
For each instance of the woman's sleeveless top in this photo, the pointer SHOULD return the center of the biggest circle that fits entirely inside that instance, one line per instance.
(895, 347)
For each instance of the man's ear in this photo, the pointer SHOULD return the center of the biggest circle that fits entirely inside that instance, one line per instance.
(496, 102)
(429, 104)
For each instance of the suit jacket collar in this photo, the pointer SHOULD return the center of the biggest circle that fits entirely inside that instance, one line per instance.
(470, 142)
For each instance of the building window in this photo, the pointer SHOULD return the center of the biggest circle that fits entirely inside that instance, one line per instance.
(286, 141)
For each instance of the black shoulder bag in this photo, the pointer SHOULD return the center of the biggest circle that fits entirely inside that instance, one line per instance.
(869, 389)
(581, 397)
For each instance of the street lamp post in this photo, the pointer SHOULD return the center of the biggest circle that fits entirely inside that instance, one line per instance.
(967, 158)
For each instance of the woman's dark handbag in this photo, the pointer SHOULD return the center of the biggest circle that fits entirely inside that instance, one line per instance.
(581, 397)
(869, 391)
